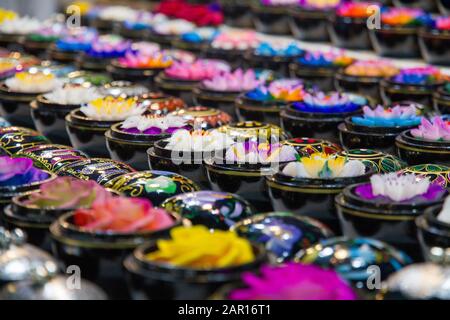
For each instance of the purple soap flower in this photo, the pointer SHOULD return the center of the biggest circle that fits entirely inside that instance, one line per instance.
(293, 281)
(19, 171)
(236, 81)
(437, 129)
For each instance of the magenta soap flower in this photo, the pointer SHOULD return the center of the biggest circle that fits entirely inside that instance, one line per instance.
(19, 171)
(68, 193)
(199, 70)
(293, 281)
(436, 129)
(443, 23)
(236, 81)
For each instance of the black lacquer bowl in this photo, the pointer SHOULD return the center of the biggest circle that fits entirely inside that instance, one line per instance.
(270, 19)
(9, 192)
(392, 91)
(433, 235)
(385, 220)
(435, 46)
(313, 198)
(51, 157)
(283, 234)
(313, 124)
(443, 6)
(232, 56)
(222, 100)
(426, 5)
(420, 151)
(144, 76)
(15, 139)
(61, 56)
(159, 281)
(176, 87)
(90, 63)
(350, 33)
(441, 100)
(96, 169)
(237, 13)
(267, 111)
(395, 41)
(156, 186)
(15, 106)
(99, 254)
(316, 77)
(355, 136)
(309, 24)
(363, 85)
(244, 179)
(86, 134)
(278, 63)
(187, 163)
(130, 148)
(49, 118)
(215, 210)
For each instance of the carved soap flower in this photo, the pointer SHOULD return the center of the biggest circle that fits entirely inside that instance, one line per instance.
(254, 152)
(8, 67)
(389, 117)
(324, 166)
(144, 20)
(198, 247)
(143, 61)
(293, 281)
(236, 81)
(73, 95)
(236, 39)
(333, 102)
(48, 33)
(444, 214)
(19, 171)
(201, 69)
(199, 35)
(32, 82)
(281, 90)
(21, 25)
(198, 140)
(278, 2)
(67, 193)
(202, 14)
(436, 129)
(356, 10)
(118, 13)
(325, 59)
(403, 17)
(371, 68)
(289, 49)
(123, 215)
(398, 188)
(6, 15)
(112, 108)
(319, 4)
(151, 124)
(109, 47)
(442, 23)
(77, 39)
(174, 27)
(420, 76)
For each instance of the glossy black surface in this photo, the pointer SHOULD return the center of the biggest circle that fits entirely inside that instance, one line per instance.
(314, 125)
(86, 134)
(419, 151)
(176, 88)
(279, 64)
(271, 19)
(400, 42)
(309, 24)
(15, 107)
(349, 33)
(255, 110)
(435, 46)
(313, 198)
(366, 86)
(392, 222)
(158, 281)
(441, 101)
(15, 139)
(143, 76)
(98, 254)
(321, 78)
(215, 99)
(433, 235)
(237, 13)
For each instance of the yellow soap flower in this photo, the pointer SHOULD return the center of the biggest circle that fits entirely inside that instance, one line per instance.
(34, 78)
(6, 15)
(314, 163)
(83, 7)
(197, 247)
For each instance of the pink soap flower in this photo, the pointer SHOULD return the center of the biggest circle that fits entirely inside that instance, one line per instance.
(236, 81)
(437, 129)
